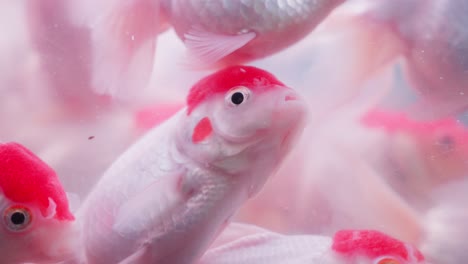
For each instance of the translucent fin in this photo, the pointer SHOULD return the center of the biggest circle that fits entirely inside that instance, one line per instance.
(351, 48)
(206, 49)
(148, 210)
(123, 45)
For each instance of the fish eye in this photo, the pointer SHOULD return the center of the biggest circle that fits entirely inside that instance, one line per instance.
(237, 95)
(387, 260)
(17, 218)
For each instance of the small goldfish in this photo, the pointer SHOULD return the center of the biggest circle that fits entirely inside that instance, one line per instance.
(187, 176)
(430, 37)
(226, 33)
(37, 225)
(425, 154)
(258, 246)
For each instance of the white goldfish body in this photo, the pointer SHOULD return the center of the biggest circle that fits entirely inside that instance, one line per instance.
(171, 193)
(37, 225)
(252, 245)
(231, 32)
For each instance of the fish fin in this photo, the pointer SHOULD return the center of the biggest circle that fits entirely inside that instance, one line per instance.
(350, 49)
(149, 210)
(123, 46)
(74, 201)
(205, 49)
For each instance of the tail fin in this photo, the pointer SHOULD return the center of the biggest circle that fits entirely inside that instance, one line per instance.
(123, 45)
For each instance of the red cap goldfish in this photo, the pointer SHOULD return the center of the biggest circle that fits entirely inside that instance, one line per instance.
(187, 176)
(438, 149)
(37, 224)
(253, 245)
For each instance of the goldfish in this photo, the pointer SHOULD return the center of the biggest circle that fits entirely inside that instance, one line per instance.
(37, 224)
(256, 246)
(187, 176)
(114, 44)
(226, 33)
(423, 154)
(429, 37)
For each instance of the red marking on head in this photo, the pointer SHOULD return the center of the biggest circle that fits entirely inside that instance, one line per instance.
(152, 116)
(372, 244)
(223, 80)
(202, 130)
(24, 178)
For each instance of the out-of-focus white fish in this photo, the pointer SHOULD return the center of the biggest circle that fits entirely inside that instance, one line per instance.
(421, 155)
(257, 246)
(122, 36)
(431, 36)
(445, 225)
(37, 225)
(230, 32)
(63, 53)
(188, 176)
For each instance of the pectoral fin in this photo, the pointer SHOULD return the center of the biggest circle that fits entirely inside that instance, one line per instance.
(150, 210)
(206, 48)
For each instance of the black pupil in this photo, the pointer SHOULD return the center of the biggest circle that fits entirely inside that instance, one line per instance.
(237, 98)
(18, 218)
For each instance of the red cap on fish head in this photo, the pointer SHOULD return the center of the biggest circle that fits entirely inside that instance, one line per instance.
(223, 80)
(24, 178)
(372, 244)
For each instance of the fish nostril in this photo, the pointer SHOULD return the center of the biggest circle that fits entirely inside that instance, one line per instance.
(290, 97)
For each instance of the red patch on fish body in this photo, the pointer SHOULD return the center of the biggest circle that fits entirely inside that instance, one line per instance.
(223, 80)
(202, 130)
(371, 244)
(399, 122)
(24, 178)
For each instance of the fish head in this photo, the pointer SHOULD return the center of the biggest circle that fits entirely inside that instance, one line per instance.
(442, 145)
(242, 120)
(36, 223)
(373, 247)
